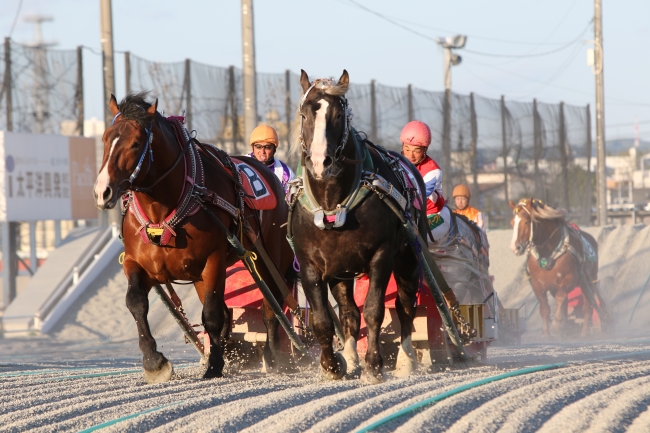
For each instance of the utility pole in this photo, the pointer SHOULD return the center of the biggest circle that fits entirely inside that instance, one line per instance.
(600, 114)
(248, 50)
(106, 22)
(451, 59)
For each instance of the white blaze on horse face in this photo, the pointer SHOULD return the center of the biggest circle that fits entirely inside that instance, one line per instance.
(319, 142)
(104, 178)
(515, 234)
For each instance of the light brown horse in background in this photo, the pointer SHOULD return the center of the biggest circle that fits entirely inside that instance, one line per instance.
(199, 251)
(560, 258)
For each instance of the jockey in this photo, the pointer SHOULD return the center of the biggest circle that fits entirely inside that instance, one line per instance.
(264, 142)
(416, 138)
(462, 195)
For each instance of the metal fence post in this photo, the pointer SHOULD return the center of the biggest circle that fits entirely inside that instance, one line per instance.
(79, 92)
(564, 160)
(188, 94)
(537, 148)
(8, 84)
(473, 144)
(409, 96)
(232, 97)
(446, 145)
(287, 105)
(505, 148)
(373, 111)
(127, 71)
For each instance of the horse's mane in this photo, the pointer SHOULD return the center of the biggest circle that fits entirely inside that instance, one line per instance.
(134, 106)
(543, 211)
(329, 87)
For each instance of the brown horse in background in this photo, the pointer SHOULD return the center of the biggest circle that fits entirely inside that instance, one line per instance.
(142, 155)
(560, 258)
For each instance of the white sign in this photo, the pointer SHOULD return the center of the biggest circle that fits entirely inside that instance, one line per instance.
(46, 177)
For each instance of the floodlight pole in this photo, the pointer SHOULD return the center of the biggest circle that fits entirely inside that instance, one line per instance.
(600, 115)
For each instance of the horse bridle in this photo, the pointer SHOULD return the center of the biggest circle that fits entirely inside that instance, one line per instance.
(532, 223)
(147, 146)
(347, 113)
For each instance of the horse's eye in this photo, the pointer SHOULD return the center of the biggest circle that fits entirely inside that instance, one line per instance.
(135, 145)
(339, 116)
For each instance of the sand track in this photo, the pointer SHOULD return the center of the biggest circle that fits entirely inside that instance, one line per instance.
(588, 394)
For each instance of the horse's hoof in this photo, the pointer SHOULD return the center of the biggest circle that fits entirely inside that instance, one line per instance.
(405, 367)
(351, 356)
(332, 375)
(370, 377)
(161, 375)
(212, 373)
(266, 367)
(406, 362)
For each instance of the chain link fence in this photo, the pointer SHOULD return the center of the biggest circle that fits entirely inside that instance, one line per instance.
(504, 150)
(42, 90)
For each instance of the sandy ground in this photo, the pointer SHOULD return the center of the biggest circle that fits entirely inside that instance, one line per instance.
(50, 386)
(69, 380)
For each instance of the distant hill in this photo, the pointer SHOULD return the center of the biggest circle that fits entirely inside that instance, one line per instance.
(615, 147)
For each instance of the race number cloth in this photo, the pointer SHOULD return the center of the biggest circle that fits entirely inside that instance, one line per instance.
(259, 193)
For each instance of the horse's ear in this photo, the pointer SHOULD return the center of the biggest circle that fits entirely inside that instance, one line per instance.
(112, 105)
(530, 202)
(152, 110)
(344, 80)
(304, 80)
(512, 205)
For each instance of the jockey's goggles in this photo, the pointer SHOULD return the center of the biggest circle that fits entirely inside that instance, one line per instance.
(265, 147)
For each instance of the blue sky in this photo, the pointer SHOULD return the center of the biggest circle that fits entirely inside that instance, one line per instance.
(323, 37)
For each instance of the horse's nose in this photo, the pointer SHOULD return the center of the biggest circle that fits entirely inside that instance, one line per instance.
(519, 248)
(108, 193)
(327, 161)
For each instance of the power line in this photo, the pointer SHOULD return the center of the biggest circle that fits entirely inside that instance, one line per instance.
(394, 22)
(13, 25)
(390, 20)
(522, 56)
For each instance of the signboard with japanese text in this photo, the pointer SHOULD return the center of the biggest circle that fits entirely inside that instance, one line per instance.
(46, 177)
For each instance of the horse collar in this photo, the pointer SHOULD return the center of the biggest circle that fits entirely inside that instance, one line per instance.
(336, 217)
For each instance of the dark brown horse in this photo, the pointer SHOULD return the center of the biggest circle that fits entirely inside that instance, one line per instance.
(334, 242)
(142, 155)
(560, 259)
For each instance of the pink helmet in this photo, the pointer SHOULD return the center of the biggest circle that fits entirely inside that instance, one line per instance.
(416, 133)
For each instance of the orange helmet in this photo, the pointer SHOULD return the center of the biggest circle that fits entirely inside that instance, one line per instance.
(264, 134)
(461, 191)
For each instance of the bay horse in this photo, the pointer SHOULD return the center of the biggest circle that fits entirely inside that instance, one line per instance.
(560, 258)
(142, 166)
(337, 236)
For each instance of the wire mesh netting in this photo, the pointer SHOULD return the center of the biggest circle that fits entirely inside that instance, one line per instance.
(504, 150)
(44, 90)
